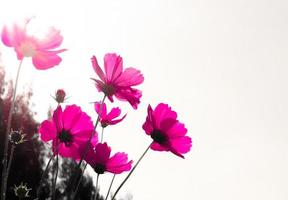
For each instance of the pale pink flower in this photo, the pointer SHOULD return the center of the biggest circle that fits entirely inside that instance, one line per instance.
(68, 129)
(167, 132)
(43, 52)
(100, 160)
(117, 82)
(108, 118)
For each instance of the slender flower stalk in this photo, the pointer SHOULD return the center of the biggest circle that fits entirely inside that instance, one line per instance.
(55, 179)
(85, 152)
(97, 179)
(10, 161)
(102, 133)
(124, 181)
(43, 175)
(110, 187)
(5, 156)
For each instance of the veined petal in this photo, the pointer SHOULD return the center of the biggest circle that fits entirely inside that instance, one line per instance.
(130, 77)
(118, 163)
(181, 145)
(58, 119)
(97, 106)
(115, 112)
(46, 59)
(116, 121)
(97, 69)
(52, 40)
(113, 66)
(102, 153)
(131, 95)
(161, 112)
(71, 115)
(47, 131)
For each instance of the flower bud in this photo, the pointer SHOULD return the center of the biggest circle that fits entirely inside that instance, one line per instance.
(60, 96)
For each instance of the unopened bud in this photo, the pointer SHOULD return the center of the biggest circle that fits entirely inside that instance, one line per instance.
(60, 96)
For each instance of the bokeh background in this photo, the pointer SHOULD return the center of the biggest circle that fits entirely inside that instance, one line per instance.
(222, 65)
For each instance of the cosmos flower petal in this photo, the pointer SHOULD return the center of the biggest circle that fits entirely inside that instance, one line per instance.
(113, 66)
(71, 151)
(84, 123)
(97, 68)
(71, 115)
(52, 40)
(102, 152)
(116, 121)
(47, 131)
(57, 118)
(118, 163)
(181, 145)
(130, 77)
(97, 106)
(131, 95)
(177, 130)
(115, 112)
(46, 59)
(157, 147)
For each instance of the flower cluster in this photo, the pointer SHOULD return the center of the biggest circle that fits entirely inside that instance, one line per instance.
(72, 132)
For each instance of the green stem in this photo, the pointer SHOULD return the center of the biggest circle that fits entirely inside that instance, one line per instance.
(120, 186)
(102, 133)
(110, 186)
(5, 156)
(42, 177)
(10, 161)
(55, 180)
(87, 145)
(96, 195)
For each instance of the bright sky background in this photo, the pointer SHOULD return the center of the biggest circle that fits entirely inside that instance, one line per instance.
(222, 65)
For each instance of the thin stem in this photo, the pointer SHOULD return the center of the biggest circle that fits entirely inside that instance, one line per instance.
(102, 133)
(87, 145)
(55, 180)
(96, 187)
(43, 175)
(110, 186)
(120, 186)
(5, 156)
(78, 184)
(10, 161)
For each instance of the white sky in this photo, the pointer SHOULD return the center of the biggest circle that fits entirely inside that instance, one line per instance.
(222, 65)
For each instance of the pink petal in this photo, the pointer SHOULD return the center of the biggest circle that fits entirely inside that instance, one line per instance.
(116, 121)
(102, 153)
(115, 112)
(113, 66)
(6, 37)
(97, 106)
(118, 163)
(57, 119)
(97, 69)
(71, 116)
(157, 147)
(161, 112)
(131, 95)
(181, 145)
(46, 59)
(71, 151)
(177, 130)
(130, 77)
(90, 157)
(52, 40)
(167, 124)
(47, 130)
(83, 124)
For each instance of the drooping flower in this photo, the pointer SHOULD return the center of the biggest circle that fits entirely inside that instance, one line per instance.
(167, 132)
(116, 82)
(108, 118)
(69, 129)
(43, 53)
(100, 160)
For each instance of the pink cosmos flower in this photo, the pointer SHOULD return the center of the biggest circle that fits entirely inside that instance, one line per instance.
(68, 129)
(117, 82)
(167, 132)
(42, 51)
(108, 119)
(100, 160)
